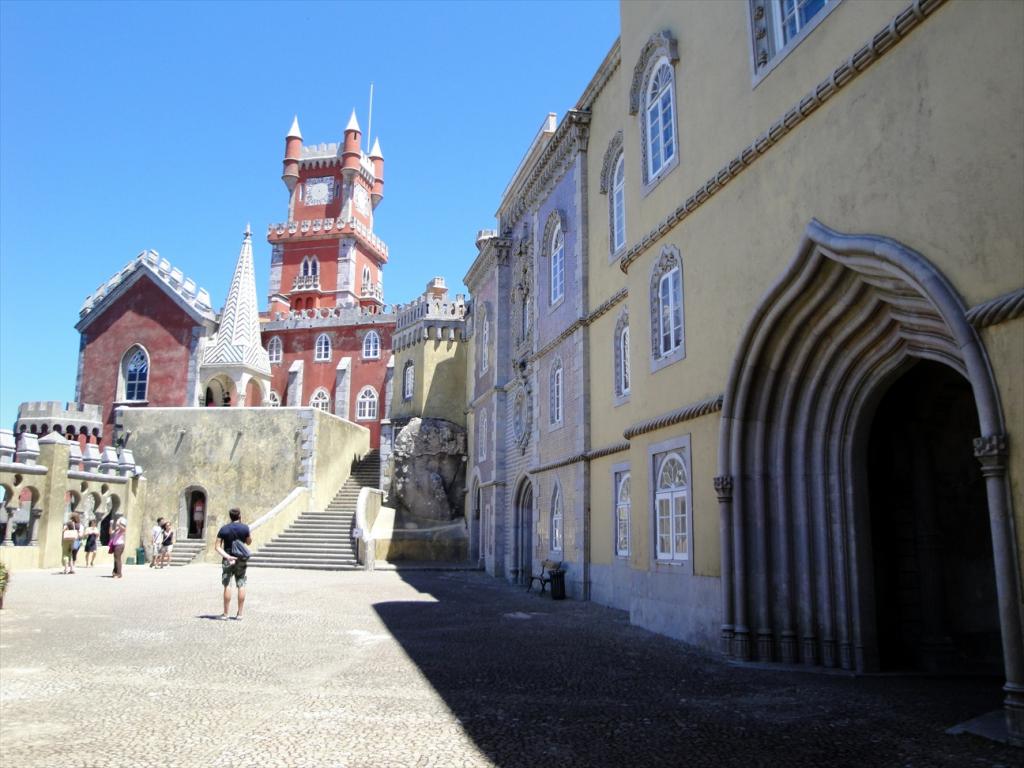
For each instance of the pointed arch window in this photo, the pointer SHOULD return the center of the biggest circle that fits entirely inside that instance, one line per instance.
(557, 519)
(557, 252)
(275, 350)
(366, 404)
(622, 512)
(366, 279)
(322, 352)
(408, 380)
(321, 400)
(135, 374)
(310, 266)
(556, 393)
(371, 345)
(618, 205)
(671, 504)
(274, 400)
(659, 120)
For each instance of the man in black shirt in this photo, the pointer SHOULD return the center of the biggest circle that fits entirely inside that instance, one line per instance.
(231, 565)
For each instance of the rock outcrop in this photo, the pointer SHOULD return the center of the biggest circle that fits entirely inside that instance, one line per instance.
(429, 476)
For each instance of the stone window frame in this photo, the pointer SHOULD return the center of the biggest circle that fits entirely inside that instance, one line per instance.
(369, 398)
(320, 399)
(275, 350)
(408, 380)
(657, 454)
(485, 339)
(660, 48)
(621, 473)
(622, 368)
(522, 295)
(273, 400)
(556, 519)
(481, 448)
(323, 349)
(371, 346)
(613, 156)
(556, 394)
(310, 266)
(555, 225)
(768, 47)
(669, 259)
(123, 375)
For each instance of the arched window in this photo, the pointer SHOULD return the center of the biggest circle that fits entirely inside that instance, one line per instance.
(323, 348)
(659, 115)
(482, 435)
(622, 510)
(310, 266)
(274, 349)
(623, 355)
(321, 400)
(557, 264)
(671, 507)
(371, 345)
(618, 205)
(485, 342)
(366, 278)
(366, 404)
(556, 519)
(275, 400)
(667, 340)
(135, 374)
(408, 380)
(556, 393)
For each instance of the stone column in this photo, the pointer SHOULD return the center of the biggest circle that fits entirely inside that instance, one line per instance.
(992, 452)
(723, 489)
(8, 539)
(34, 516)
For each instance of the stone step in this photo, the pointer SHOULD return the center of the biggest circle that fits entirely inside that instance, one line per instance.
(284, 546)
(308, 566)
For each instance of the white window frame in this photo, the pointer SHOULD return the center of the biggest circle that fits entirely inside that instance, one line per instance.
(654, 103)
(624, 371)
(408, 381)
(485, 341)
(367, 404)
(556, 400)
(557, 251)
(366, 277)
(321, 400)
(557, 519)
(323, 349)
(128, 387)
(371, 346)
(481, 448)
(274, 400)
(665, 503)
(617, 204)
(622, 509)
(310, 266)
(768, 36)
(672, 279)
(275, 350)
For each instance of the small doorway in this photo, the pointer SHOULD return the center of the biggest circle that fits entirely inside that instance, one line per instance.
(196, 514)
(524, 535)
(935, 602)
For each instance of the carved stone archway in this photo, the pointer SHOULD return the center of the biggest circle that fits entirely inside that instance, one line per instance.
(847, 317)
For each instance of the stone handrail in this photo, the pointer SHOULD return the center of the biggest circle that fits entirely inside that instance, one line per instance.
(367, 508)
(265, 528)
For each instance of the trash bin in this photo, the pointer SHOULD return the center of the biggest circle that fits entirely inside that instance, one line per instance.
(557, 584)
(140, 555)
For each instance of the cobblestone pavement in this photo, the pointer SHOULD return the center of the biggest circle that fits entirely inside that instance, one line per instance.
(422, 669)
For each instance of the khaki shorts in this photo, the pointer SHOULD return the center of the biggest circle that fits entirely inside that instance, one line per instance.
(227, 570)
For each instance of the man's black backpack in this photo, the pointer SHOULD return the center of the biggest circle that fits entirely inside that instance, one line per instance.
(239, 550)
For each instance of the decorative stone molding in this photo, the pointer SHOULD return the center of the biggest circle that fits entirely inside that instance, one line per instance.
(723, 488)
(556, 218)
(1009, 306)
(621, 324)
(991, 451)
(611, 62)
(522, 297)
(670, 259)
(608, 166)
(578, 457)
(880, 44)
(660, 44)
(687, 412)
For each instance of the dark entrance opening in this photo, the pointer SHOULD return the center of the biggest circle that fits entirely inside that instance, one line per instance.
(934, 578)
(196, 514)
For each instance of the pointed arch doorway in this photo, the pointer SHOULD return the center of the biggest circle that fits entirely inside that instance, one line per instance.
(810, 516)
(522, 554)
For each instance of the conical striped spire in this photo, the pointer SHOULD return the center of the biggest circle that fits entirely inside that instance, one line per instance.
(238, 336)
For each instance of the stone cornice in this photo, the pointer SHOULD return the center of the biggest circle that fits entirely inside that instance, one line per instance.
(1009, 306)
(610, 155)
(580, 323)
(881, 43)
(485, 260)
(611, 62)
(687, 412)
(597, 453)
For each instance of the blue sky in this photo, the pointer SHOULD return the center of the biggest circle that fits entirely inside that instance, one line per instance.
(161, 125)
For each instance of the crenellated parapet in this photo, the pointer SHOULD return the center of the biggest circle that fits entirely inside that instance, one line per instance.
(321, 317)
(40, 417)
(317, 228)
(430, 316)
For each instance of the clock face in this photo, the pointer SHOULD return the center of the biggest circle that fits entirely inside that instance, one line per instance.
(362, 198)
(319, 191)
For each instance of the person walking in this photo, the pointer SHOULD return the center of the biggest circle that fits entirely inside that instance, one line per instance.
(156, 540)
(167, 545)
(79, 540)
(116, 548)
(92, 534)
(68, 539)
(231, 541)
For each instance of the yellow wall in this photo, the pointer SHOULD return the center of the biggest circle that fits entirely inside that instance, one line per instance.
(440, 385)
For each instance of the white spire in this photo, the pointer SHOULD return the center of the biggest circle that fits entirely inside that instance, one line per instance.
(375, 152)
(353, 124)
(294, 131)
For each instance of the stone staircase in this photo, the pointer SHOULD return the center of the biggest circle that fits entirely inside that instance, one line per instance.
(322, 541)
(186, 550)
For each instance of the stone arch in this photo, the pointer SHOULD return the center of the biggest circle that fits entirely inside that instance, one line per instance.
(556, 218)
(611, 155)
(219, 391)
(660, 44)
(844, 321)
(474, 518)
(193, 499)
(524, 516)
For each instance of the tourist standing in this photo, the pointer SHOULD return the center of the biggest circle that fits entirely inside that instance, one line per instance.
(117, 542)
(231, 541)
(68, 538)
(156, 540)
(92, 534)
(167, 545)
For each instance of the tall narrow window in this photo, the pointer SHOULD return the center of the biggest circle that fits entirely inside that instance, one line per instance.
(485, 343)
(624, 356)
(670, 311)
(556, 393)
(660, 117)
(310, 266)
(622, 510)
(408, 380)
(321, 400)
(371, 345)
(481, 439)
(366, 404)
(136, 374)
(556, 520)
(618, 205)
(557, 265)
(671, 507)
(275, 399)
(274, 349)
(322, 352)
(366, 279)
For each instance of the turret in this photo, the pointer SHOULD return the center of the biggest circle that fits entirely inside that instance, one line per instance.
(292, 154)
(378, 173)
(352, 152)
